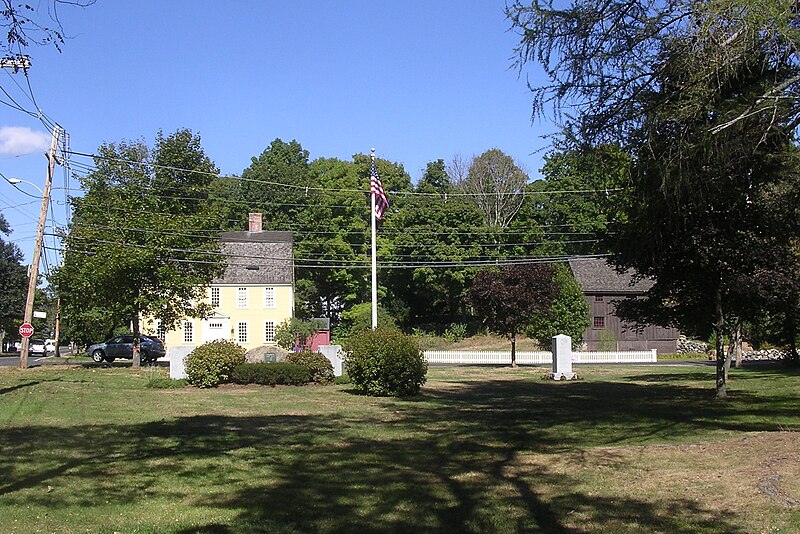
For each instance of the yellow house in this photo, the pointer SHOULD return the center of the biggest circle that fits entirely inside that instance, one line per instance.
(253, 296)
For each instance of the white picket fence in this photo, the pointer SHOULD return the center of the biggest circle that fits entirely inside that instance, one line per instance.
(501, 357)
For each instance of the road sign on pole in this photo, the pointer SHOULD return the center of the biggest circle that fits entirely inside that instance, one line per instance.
(26, 329)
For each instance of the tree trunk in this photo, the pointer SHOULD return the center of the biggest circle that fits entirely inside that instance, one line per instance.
(719, 329)
(137, 362)
(514, 350)
(737, 342)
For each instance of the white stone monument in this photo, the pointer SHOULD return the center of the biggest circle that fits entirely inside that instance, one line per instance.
(562, 359)
(333, 353)
(177, 361)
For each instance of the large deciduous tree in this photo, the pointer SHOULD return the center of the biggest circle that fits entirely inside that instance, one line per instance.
(144, 238)
(577, 197)
(702, 95)
(431, 232)
(509, 298)
(494, 182)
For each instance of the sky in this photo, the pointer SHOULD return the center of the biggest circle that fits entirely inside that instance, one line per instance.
(417, 80)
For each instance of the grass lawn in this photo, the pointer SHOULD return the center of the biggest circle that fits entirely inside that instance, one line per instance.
(625, 449)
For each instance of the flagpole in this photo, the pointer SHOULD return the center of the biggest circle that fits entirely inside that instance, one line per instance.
(374, 249)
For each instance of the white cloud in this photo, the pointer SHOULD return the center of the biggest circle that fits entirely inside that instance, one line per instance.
(19, 140)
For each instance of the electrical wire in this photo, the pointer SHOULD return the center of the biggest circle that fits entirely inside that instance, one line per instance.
(334, 190)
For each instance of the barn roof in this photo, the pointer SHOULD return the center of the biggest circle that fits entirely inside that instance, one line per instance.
(596, 276)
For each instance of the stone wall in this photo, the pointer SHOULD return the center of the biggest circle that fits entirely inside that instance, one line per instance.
(689, 346)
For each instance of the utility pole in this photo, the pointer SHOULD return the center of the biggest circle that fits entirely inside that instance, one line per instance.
(37, 250)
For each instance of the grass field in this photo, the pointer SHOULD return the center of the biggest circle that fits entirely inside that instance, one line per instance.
(625, 449)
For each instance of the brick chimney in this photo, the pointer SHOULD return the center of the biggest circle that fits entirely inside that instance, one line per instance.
(254, 223)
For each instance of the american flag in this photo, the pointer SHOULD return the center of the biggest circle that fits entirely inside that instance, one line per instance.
(375, 188)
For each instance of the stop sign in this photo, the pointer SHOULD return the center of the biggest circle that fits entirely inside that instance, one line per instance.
(26, 329)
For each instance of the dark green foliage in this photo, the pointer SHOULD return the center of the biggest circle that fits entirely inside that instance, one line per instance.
(163, 382)
(568, 314)
(359, 319)
(319, 366)
(212, 362)
(271, 374)
(143, 238)
(385, 362)
(13, 282)
(342, 380)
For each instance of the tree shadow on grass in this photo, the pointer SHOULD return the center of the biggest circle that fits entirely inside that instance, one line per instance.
(451, 460)
(9, 389)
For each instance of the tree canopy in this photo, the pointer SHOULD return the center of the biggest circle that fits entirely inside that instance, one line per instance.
(509, 298)
(702, 96)
(13, 282)
(144, 240)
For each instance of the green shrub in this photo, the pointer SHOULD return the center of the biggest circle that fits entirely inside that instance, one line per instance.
(212, 362)
(270, 374)
(455, 332)
(385, 362)
(684, 356)
(358, 318)
(164, 382)
(342, 380)
(320, 367)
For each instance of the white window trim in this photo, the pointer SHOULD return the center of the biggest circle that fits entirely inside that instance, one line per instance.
(269, 298)
(218, 297)
(266, 337)
(239, 332)
(188, 332)
(241, 303)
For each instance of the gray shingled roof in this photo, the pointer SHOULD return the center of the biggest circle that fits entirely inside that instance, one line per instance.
(596, 276)
(261, 258)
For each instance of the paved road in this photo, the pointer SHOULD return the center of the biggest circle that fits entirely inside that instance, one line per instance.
(10, 360)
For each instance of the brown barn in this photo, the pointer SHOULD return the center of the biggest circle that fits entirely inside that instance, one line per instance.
(603, 287)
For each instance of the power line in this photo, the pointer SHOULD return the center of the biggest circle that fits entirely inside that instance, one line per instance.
(393, 265)
(365, 191)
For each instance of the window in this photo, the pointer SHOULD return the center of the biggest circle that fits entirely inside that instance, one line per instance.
(599, 322)
(161, 332)
(188, 334)
(241, 297)
(215, 326)
(215, 297)
(269, 332)
(242, 331)
(269, 297)
(598, 298)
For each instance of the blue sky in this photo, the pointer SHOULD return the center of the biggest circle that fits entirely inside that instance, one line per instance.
(417, 80)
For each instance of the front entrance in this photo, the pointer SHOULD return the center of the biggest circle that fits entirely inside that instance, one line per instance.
(217, 326)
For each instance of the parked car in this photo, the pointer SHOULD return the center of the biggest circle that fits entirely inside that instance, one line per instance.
(150, 349)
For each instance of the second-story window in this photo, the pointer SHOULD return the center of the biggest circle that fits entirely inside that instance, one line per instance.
(269, 297)
(241, 297)
(215, 297)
